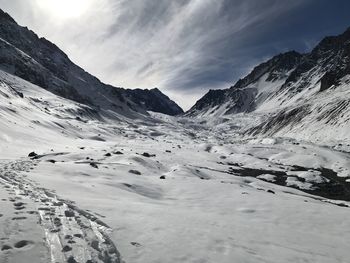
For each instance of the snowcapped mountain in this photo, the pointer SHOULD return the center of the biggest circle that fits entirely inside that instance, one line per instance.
(40, 62)
(292, 94)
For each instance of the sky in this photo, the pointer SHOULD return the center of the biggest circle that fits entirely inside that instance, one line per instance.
(183, 47)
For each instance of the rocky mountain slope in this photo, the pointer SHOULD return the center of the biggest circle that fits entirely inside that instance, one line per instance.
(290, 93)
(37, 60)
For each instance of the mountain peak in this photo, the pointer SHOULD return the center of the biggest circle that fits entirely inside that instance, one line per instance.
(275, 67)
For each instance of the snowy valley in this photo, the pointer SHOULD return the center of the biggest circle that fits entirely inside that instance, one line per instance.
(259, 172)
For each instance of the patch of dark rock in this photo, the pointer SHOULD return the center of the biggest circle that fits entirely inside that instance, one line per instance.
(66, 248)
(94, 165)
(78, 235)
(135, 172)
(71, 259)
(57, 221)
(22, 243)
(95, 245)
(108, 154)
(168, 151)
(270, 191)
(148, 155)
(6, 247)
(32, 154)
(162, 177)
(69, 213)
(118, 153)
(342, 205)
(336, 188)
(51, 161)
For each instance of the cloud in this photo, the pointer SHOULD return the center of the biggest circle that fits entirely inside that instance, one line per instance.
(183, 47)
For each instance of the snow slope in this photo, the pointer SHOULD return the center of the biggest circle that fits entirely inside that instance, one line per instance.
(108, 188)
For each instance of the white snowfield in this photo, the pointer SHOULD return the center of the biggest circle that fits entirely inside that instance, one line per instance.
(162, 189)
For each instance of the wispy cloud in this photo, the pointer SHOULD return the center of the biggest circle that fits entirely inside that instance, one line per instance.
(184, 47)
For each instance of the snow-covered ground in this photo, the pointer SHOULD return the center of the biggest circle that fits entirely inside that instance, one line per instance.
(162, 189)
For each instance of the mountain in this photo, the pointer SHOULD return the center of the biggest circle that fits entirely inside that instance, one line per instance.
(292, 94)
(153, 100)
(37, 60)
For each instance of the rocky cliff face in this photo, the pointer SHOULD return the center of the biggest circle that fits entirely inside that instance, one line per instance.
(40, 62)
(244, 95)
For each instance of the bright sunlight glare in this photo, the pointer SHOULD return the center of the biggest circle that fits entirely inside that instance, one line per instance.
(64, 8)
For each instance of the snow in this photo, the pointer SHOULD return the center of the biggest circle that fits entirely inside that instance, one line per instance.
(267, 177)
(203, 211)
(294, 181)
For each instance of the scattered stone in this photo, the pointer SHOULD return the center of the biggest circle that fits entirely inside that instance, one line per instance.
(71, 259)
(270, 191)
(6, 247)
(145, 154)
(162, 177)
(118, 153)
(94, 165)
(22, 243)
(51, 161)
(18, 204)
(135, 244)
(69, 213)
(32, 154)
(108, 155)
(95, 245)
(66, 248)
(135, 172)
(168, 151)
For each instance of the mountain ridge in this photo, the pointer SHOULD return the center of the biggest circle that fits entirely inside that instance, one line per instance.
(289, 92)
(41, 62)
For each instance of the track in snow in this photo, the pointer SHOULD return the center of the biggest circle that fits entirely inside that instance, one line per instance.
(72, 235)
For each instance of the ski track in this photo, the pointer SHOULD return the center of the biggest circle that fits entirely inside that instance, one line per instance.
(71, 234)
